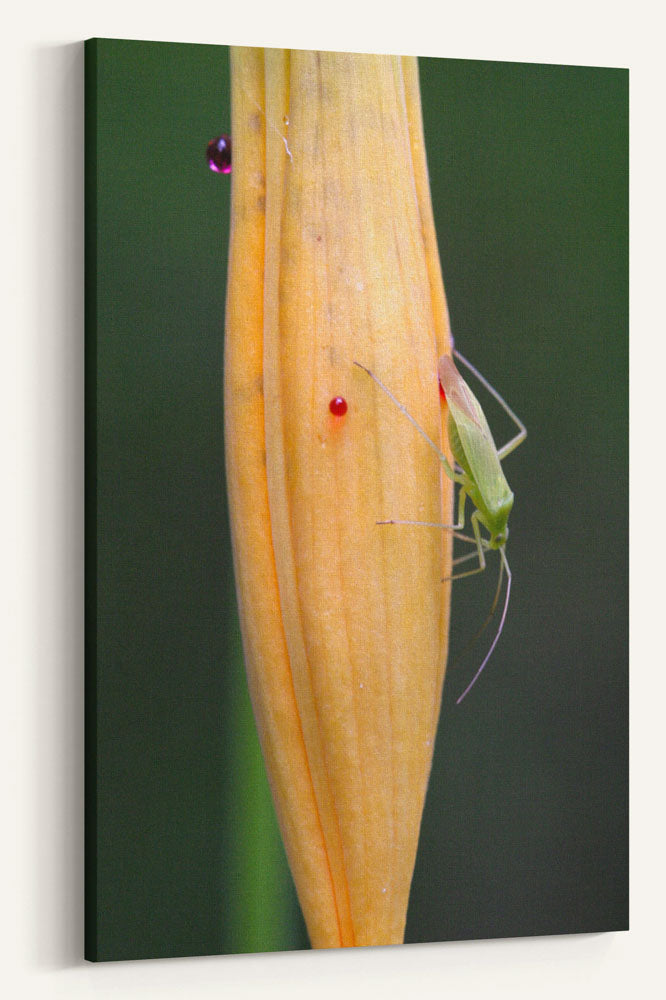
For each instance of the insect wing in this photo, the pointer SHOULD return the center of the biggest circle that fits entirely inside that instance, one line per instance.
(475, 436)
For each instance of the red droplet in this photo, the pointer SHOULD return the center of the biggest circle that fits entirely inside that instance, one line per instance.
(441, 392)
(338, 406)
(218, 154)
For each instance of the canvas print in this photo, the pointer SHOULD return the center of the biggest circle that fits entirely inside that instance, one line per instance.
(357, 497)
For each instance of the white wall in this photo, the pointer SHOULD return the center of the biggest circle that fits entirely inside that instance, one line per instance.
(42, 371)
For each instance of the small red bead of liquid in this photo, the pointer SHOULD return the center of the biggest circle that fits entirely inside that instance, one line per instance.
(441, 392)
(338, 406)
(218, 154)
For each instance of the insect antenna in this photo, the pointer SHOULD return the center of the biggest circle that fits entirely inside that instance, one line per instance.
(503, 565)
(479, 632)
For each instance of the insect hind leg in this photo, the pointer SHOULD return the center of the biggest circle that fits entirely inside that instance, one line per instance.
(511, 445)
(454, 476)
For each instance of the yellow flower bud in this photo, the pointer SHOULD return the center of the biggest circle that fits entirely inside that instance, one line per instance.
(333, 259)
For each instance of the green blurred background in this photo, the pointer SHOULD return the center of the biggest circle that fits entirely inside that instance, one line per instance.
(525, 828)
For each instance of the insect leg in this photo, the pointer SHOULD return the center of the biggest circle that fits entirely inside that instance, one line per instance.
(479, 551)
(461, 559)
(522, 430)
(464, 538)
(423, 524)
(456, 477)
(435, 524)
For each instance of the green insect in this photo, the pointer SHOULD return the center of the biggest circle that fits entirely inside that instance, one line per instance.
(478, 471)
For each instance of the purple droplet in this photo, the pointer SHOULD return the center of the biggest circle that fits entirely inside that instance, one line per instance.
(218, 154)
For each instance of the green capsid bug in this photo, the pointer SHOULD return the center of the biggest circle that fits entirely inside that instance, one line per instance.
(478, 472)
